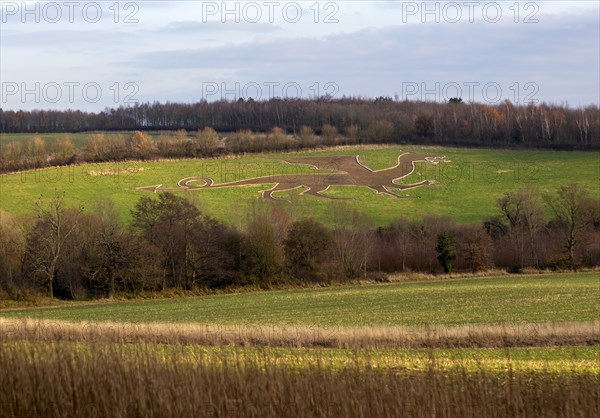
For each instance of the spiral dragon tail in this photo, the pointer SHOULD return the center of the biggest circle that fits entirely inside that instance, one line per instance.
(188, 183)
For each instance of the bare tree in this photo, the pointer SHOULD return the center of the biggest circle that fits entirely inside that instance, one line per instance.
(573, 213)
(277, 139)
(12, 155)
(207, 141)
(473, 246)
(111, 240)
(307, 137)
(181, 134)
(424, 125)
(380, 131)
(329, 134)
(241, 141)
(262, 253)
(307, 247)
(64, 151)
(352, 236)
(169, 223)
(424, 236)
(36, 150)
(47, 242)
(141, 145)
(96, 147)
(524, 213)
(403, 240)
(353, 134)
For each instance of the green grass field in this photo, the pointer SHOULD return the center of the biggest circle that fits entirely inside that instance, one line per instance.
(467, 190)
(509, 299)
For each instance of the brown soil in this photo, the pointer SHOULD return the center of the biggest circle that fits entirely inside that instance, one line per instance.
(347, 171)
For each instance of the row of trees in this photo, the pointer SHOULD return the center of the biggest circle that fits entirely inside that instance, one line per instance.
(379, 120)
(37, 152)
(382, 121)
(71, 253)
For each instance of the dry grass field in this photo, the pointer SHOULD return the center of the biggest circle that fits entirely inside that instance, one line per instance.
(59, 380)
(498, 346)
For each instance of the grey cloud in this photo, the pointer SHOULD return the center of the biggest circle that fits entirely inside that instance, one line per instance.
(558, 53)
(62, 38)
(192, 27)
(474, 48)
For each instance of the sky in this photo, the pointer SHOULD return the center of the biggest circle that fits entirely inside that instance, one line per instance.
(92, 55)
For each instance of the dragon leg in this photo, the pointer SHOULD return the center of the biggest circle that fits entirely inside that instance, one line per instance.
(317, 192)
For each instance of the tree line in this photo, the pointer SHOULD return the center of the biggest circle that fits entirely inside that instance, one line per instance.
(382, 120)
(72, 253)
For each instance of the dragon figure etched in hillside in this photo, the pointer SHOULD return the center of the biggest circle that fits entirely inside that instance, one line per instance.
(330, 171)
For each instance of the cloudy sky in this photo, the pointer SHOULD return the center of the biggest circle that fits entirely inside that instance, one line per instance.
(92, 55)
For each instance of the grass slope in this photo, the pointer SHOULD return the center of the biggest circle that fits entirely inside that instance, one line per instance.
(467, 190)
(522, 299)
